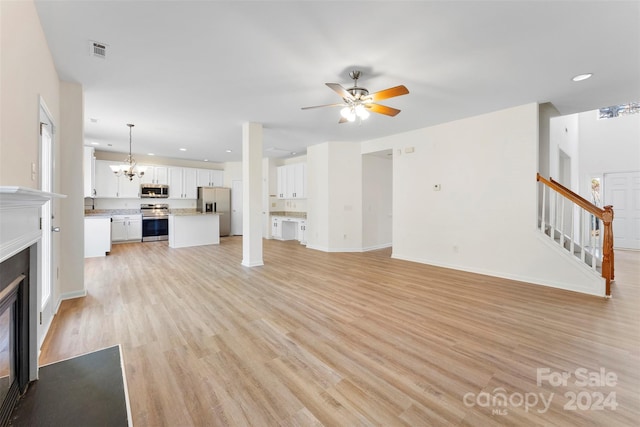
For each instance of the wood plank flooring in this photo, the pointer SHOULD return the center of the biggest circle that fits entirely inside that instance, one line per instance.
(355, 339)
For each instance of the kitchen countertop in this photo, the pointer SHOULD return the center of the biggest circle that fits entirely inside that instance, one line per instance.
(302, 215)
(187, 212)
(109, 212)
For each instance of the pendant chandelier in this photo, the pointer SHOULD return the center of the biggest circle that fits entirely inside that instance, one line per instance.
(130, 169)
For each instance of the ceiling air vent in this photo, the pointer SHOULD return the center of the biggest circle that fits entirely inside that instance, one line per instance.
(98, 49)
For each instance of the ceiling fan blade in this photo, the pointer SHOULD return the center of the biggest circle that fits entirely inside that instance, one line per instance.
(340, 91)
(342, 120)
(388, 93)
(382, 109)
(325, 105)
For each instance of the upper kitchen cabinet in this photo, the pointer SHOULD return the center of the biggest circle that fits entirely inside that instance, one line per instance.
(210, 178)
(155, 175)
(89, 170)
(292, 181)
(108, 185)
(183, 183)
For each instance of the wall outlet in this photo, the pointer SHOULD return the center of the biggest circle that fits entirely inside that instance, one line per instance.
(409, 150)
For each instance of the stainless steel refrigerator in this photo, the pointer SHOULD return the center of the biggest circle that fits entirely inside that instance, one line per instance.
(216, 199)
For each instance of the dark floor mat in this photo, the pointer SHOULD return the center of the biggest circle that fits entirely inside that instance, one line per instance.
(87, 390)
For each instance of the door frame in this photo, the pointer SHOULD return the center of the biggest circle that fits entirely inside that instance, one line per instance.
(47, 254)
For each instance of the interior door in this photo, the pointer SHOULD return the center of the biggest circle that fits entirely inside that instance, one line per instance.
(45, 282)
(622, 191)
(236, 208)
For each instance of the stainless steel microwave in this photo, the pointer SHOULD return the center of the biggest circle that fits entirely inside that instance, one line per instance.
(158, 191)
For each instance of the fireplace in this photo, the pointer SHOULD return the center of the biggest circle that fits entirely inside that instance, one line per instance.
(14, 330)
(20, 252)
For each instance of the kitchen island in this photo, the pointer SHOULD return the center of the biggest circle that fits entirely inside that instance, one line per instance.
(193, 229)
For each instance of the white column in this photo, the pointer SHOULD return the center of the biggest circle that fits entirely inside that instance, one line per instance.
(252, 194)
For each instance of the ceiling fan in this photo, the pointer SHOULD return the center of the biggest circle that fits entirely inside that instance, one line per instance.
(358, 102)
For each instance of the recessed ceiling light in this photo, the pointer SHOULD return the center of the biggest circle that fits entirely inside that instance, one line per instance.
(95, 143)
(581, 77)
(227, 150)
(293, 153)
(205, 160)
(150, 154)
(183, 149)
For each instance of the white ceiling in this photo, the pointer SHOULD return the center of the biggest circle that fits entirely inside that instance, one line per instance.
(188, 74)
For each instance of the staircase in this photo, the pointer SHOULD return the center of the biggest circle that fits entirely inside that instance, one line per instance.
(578, 227)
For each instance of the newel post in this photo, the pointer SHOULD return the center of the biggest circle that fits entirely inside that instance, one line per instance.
(607, 247)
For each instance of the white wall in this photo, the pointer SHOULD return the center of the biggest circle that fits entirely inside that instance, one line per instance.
(565, 137)
(71, 139)
(27, 72)
(607, 145)
(334, 199)
(318, 196)
(345, 197)
(484, 217)
(377, 201)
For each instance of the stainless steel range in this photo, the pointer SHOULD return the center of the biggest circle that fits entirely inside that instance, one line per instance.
(155, 221)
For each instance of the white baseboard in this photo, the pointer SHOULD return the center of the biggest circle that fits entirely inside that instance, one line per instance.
(376, 247)
(367, 249)
(502, 275)
(69, 295)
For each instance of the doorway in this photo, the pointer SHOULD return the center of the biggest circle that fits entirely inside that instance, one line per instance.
(45, 282)
(377, 200)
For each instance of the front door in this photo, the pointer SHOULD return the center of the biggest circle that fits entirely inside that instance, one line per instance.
(622, 191)
(45, 282)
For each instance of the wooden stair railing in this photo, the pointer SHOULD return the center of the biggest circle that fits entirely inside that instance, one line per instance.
(604, 214)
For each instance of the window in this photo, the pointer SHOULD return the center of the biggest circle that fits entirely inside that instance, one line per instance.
(619, 110)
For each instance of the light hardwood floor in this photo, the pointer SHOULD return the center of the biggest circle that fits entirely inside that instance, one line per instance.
(314, 338)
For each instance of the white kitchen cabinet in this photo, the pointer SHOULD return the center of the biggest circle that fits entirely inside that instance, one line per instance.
(106, 180)
(155, 175)
(275, 227)
(128, 189)
(183, 183)
(126, 228)
(210, 178)
(299, 190)
(292, 181)
(108, 185)
(282, 182)
(97, 236)
(89, 172)
(134, 232)
(302, 231)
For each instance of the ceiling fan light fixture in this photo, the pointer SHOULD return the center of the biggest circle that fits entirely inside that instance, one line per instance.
(362, 112)
(348, 113)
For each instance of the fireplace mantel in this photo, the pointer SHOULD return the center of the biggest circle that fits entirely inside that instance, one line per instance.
(20, 218)
(22, 196)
